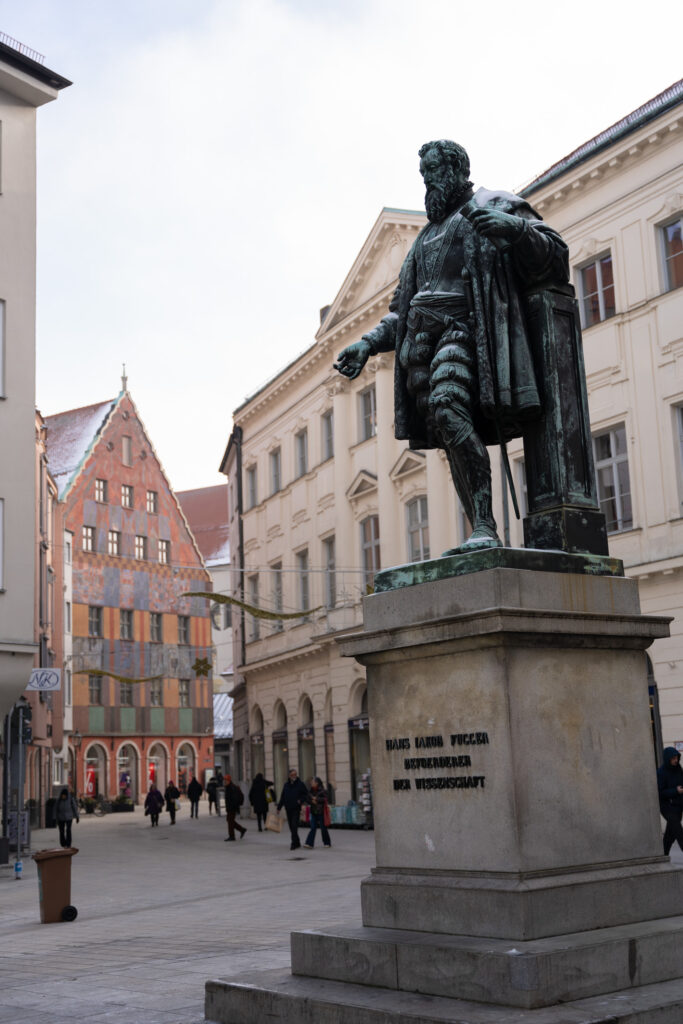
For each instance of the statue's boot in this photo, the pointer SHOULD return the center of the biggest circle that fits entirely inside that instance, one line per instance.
(471, 472)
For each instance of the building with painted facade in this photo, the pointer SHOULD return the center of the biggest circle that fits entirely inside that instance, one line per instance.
(133, 559)
(322, 494)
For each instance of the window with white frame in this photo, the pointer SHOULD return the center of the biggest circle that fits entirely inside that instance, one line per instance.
(94, 621)
(252, 487)
(140, 548)
(253, 599)
(101, 490)
(88, 538)
(330, 563)
(127, 450)
(418, 529)
(327, 427)
(370, 550)
(184, 693)
(127, 495)
(368, 413)
(275, 471)
(277, 596)
(303, 578)
(671, 236)
(164, 551)
(611, 470)
(126, 623)
(114, 542)
(596, 290)
(67, 552)
(94, 689)
(2, 348)
(183, 629)
(152, 502)
(522, 492)
(301, 452)
(155, 627)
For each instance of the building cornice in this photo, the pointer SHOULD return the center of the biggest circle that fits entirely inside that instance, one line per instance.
(294, 654)
(609, 162)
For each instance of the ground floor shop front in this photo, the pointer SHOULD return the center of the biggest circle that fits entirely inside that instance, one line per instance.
(126, 766)
(310, 713)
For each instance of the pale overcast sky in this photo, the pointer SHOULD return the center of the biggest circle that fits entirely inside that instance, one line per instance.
(208, 179)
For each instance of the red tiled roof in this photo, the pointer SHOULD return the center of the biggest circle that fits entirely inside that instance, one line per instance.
(206, 510)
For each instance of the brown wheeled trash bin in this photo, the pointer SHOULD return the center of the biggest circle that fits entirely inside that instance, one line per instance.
(54, 884)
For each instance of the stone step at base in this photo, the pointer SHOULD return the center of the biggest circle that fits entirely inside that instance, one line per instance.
(278, 996)
(525, 974)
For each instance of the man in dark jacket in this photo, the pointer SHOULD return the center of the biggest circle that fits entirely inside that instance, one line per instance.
(670, 785)
(294, 794)
(212, 793)
(234, 798)
(194, 791)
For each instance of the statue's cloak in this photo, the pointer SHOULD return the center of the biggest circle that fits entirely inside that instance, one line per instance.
(507, 394)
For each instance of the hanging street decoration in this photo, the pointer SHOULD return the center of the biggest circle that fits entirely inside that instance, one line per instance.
(201, 667)
(258, 613)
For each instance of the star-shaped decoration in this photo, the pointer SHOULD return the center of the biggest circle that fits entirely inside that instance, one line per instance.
(202, 667)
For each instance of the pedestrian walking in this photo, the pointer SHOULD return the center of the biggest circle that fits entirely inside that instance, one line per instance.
(258, 798)
(212, 793)
(670, 786)
(234, 798)
(294, 795)
(320, 815)
(171, 794)
(154, 803)
(194, 791)
(66, 809)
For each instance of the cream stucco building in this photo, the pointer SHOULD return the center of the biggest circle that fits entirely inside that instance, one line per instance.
(25, 85)
(327, 495)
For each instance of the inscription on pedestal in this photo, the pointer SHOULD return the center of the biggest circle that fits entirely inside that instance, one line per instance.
(439, 762)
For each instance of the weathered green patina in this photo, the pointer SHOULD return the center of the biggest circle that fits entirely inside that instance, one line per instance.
(495, 558)
(487, 347)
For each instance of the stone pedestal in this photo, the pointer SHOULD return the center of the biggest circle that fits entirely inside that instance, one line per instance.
(517, 828)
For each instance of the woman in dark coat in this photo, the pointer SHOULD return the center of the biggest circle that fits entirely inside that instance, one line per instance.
(320, 814)
(194, 791)
(66, 809)
(258, 799)
(670, 786)
(154, 802)
(170, 796)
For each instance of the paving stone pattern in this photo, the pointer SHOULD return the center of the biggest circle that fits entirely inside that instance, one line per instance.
(160, 911)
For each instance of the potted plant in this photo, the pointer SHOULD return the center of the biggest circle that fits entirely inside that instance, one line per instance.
(89, 805)
(122, 803)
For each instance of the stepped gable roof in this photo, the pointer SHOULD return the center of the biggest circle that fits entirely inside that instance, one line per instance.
(70, 439)
(206, 510)
(636, 119)
(222, 716)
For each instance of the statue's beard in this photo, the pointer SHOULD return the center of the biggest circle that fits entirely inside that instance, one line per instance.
(442, 198)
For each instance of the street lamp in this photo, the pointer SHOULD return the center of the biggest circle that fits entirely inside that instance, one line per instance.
(76, 739)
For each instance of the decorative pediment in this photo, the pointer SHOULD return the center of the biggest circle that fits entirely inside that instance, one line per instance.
(590, 247)
(407, 462)
(364, 483)
(377, 265)
(672, 204)
(273, 444)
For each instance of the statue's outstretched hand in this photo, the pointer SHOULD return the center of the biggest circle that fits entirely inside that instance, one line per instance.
(352, 359)
(498, 227)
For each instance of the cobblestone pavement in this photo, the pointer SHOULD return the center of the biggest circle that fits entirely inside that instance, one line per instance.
(162, 910)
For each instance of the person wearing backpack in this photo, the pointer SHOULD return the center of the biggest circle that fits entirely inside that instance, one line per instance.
(234, 798)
